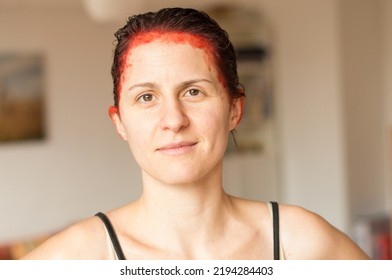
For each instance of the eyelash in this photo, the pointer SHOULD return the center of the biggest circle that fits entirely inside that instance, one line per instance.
(193, 90)
(190, 92)
(141, 97)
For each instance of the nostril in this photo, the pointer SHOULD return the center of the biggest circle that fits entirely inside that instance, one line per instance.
(174, 118)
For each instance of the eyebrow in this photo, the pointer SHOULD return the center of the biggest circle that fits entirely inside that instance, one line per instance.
(181, 85)
(195, 81)
(143, 85)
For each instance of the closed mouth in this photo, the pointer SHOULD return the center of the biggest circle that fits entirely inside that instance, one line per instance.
(176, 148)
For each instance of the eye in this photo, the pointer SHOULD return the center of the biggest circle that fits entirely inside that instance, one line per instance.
(192, 92)
(145, 98)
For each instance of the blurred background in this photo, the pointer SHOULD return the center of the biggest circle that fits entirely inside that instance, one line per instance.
(317, 132)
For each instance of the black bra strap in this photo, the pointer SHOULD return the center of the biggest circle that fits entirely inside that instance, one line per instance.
(112, 234)
(275, 218)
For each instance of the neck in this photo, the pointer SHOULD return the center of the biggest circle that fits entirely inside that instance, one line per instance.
(187, 215)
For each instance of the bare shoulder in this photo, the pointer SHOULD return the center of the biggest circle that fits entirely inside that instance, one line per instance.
(251, 210)
(83, 240)
(306, 235)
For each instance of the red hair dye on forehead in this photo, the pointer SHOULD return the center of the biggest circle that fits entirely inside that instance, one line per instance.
(171, 37)
(175, 37)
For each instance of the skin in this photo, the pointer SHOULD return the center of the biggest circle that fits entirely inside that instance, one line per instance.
(176, 116)
(173, 37)
(188, 108)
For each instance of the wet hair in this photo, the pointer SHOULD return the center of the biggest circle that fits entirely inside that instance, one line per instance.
(186, 20)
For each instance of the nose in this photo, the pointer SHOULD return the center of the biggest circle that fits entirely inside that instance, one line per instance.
(173, 116)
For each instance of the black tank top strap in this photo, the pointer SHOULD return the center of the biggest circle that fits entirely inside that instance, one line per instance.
(121, 256)
(275, 224)
(112, 235)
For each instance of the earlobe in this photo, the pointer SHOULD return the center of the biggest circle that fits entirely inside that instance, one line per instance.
(236, 112)
(114, 115)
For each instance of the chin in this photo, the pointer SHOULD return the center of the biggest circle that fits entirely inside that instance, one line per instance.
(180, 176)
(185, 172)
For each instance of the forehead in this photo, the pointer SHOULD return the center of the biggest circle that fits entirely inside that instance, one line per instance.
(166, 57)
(166, 63)
(145, 39)
(178, 37)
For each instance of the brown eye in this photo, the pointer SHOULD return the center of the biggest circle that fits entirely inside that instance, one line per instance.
(145, 98)
(193, 92)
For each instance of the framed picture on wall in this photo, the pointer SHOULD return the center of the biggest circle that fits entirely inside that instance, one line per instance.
(21, 97)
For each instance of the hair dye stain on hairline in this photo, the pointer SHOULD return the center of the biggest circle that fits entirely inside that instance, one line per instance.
(173, 37)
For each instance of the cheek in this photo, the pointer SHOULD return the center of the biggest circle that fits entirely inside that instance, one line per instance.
(140, 135)
(136, 127)
(140, 141)
(214, 121)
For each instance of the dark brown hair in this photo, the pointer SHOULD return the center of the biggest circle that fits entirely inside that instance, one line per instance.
(179, 20)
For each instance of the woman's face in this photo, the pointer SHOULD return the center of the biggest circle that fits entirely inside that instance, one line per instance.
(174, 110)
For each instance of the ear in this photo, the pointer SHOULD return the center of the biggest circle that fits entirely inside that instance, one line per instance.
(114, 115)
(237, 107)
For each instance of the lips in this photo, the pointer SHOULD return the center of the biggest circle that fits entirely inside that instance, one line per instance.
(177, 148)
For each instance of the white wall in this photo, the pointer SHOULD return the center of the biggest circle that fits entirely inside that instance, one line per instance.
(387, 50)
(333, 69)
(362, 35)
(309, 105)
(82, 167)
(387, 86)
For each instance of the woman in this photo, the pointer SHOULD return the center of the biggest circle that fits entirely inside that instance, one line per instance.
(176, 99)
